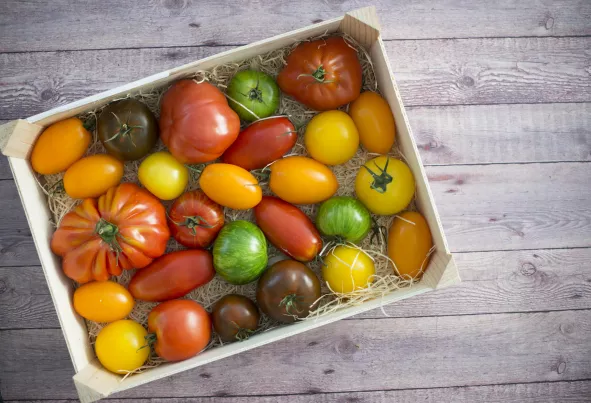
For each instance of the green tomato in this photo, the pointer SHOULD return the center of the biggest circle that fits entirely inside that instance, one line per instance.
(240, 252)
(256, 91)
(345, 217)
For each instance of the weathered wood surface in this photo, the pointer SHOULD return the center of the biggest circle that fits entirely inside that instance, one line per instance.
(349, 355)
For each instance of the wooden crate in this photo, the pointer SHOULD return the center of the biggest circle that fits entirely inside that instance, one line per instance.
(16, 140)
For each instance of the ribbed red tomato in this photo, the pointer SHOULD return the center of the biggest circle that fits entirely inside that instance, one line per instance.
(261, 143)
(195, 220)
(196, 122)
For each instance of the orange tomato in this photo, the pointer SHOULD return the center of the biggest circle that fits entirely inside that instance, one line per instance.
(103, 301)
(409, 243)
(230, 186)
(92, 176)
(59, 146)
(374, 120)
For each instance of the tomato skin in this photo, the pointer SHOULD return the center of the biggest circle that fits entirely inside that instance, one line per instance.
(261, 143)
(92, 176)
(331, 138)
(230, 186)
(163, 175)
(340, 83)
(103, 301)
(196, 122)
(288, 228)
(128, 218)
(409, 245)
(255, 90)
(301, 180)
(234, 317)
(182, 328)
(119, 345)
(195, 220)
(385, 194)
(173, 275)
(345, 217)
(346, 269)
(59, 146)
(374, 120)
(288, 290)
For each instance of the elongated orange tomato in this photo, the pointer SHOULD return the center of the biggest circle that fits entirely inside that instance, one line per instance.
(230, 186)
(59, 146)
(375, 122)
(409, 243)
(301, 180)
(92, 176)
(103, 301)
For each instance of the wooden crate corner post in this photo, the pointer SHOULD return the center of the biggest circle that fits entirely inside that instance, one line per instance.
(17, 138)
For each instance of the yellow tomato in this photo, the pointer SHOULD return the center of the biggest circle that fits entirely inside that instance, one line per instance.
(119, 346)
(163, 175)
(230, 186)
(409, 243)
(346, 269)
(301, 180)
(374, 120)
(331, 138)
(103, 301)
(92, 176)
(385, 185)
(59, 146)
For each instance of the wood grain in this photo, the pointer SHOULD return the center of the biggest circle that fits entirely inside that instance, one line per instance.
(345, 356)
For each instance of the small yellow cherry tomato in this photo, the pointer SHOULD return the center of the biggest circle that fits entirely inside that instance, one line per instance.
(331, 137)
(409, 243)
(103, 301)
(164, 176)
(346, 269)
(385, 185)
(92, 176)
(231, 186)
(59, 146)
(119, 345)
(374, 120)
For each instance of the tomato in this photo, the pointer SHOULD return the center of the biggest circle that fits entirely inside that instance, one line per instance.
(59, 146)
(240, 252)
(235, 317)
(261, 143)
(301, 180)
(172, 276)
(288, 228)
(385, 185)
(103, 301)
(181, 329)
(322, 74)
(374, 120)
(128, 129)
(331, 138)
(163, 175)
(119, 346)
(253, 95)
(344, 217)
(409, 244)
(230, 186)
(196, 122)
(346, 269)
(92, 176)
(195, 220)
(124, 229)
(288, 291)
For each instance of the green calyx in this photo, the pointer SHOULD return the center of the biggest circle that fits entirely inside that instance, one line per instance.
(108, 233)
(255, 94)
(319, 75)
(291, 302)
(382, 180)
(193, 222)
(125, 129)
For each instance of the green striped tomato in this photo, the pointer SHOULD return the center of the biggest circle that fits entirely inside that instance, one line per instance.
(345, 217)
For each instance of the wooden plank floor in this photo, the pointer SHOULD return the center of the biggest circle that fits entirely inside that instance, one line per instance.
(499, 97)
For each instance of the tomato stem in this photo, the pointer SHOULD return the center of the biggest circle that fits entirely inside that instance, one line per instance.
(319, 75)
(193, 222)
(108, 233)
(125, 129)
(381, 181)
(291, 301)
(150, 339)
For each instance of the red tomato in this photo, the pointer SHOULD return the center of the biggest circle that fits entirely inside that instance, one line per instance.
(288, 228)
(322, 74)
(195, 220)
(182, 329)
(196, 122)
(261, 143)
(172, 276)
(123, 229)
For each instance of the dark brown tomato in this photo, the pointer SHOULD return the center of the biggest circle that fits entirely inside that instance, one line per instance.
(172, 276)
(128, 129)
(235, 317)
(261, 143)
(288, 291)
